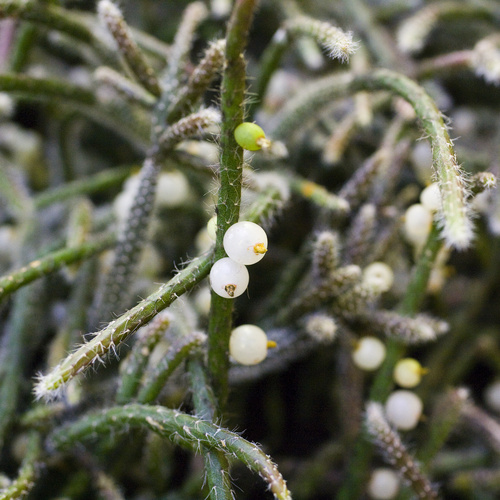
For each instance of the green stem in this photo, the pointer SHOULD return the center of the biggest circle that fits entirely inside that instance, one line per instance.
(16, 351)
(269, 63)
(120, 329)
(55, 18)
(45, 88)
(456, 222)
(206, 71)
(231, 167)
(205, 405)
(128, 48)
(25, 40)
(118, 116)
(51, 263)
(22, 485)
(50, 15)
(179, 350)
(89, 185)
(185, 430)
(137, 360)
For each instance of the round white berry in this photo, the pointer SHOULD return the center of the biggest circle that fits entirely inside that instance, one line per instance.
(228, 278)
(212, 228)
(492, 396)
(172, 189)
(418, 221)
(203, 241)
(369, 353)
(403, 409)
(378, 276)
(245, 242)
(248, 344)
(202, 300)
(7, 105)
(408, 372)
(384, 484)
(430, 197)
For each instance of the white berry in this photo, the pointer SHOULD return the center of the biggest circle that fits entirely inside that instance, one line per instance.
(212, 228)
(418, 221)
(172, 189)
(403, 409)
(248, 344)
(408, 372)
(245, 242)
(369, 353)
(384, 484)
(228, 278)
(492, 396)
(430, 197)
(202, 300)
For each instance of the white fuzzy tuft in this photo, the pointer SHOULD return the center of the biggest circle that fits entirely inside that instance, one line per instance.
(49, 388)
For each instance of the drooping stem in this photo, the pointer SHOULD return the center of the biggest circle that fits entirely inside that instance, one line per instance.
(455, 214)
(186, 430)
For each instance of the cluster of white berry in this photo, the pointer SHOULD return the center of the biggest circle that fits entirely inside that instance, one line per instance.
(245, 244)
(403, 407)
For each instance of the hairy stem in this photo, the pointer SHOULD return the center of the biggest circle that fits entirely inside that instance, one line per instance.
(185, 430)
(231, 166)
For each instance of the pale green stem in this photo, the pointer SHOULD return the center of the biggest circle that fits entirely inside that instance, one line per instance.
(456, 222)
(179, 350)
(109, 338)
(89, 185)
(51, 263)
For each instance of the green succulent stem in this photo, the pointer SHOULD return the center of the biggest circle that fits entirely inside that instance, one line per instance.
(49, 15)
(216, 463)
(199, 81)
(179, 350)
(185, 430)
(137, 360)
(45, 88)
(51, 263)
(26, 479)
(88, 185)
(230, 177)
(116, 332)
(140, 67)
(17, 352)
(456, 218)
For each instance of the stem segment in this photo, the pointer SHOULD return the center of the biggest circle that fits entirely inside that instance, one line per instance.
(231, 167)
